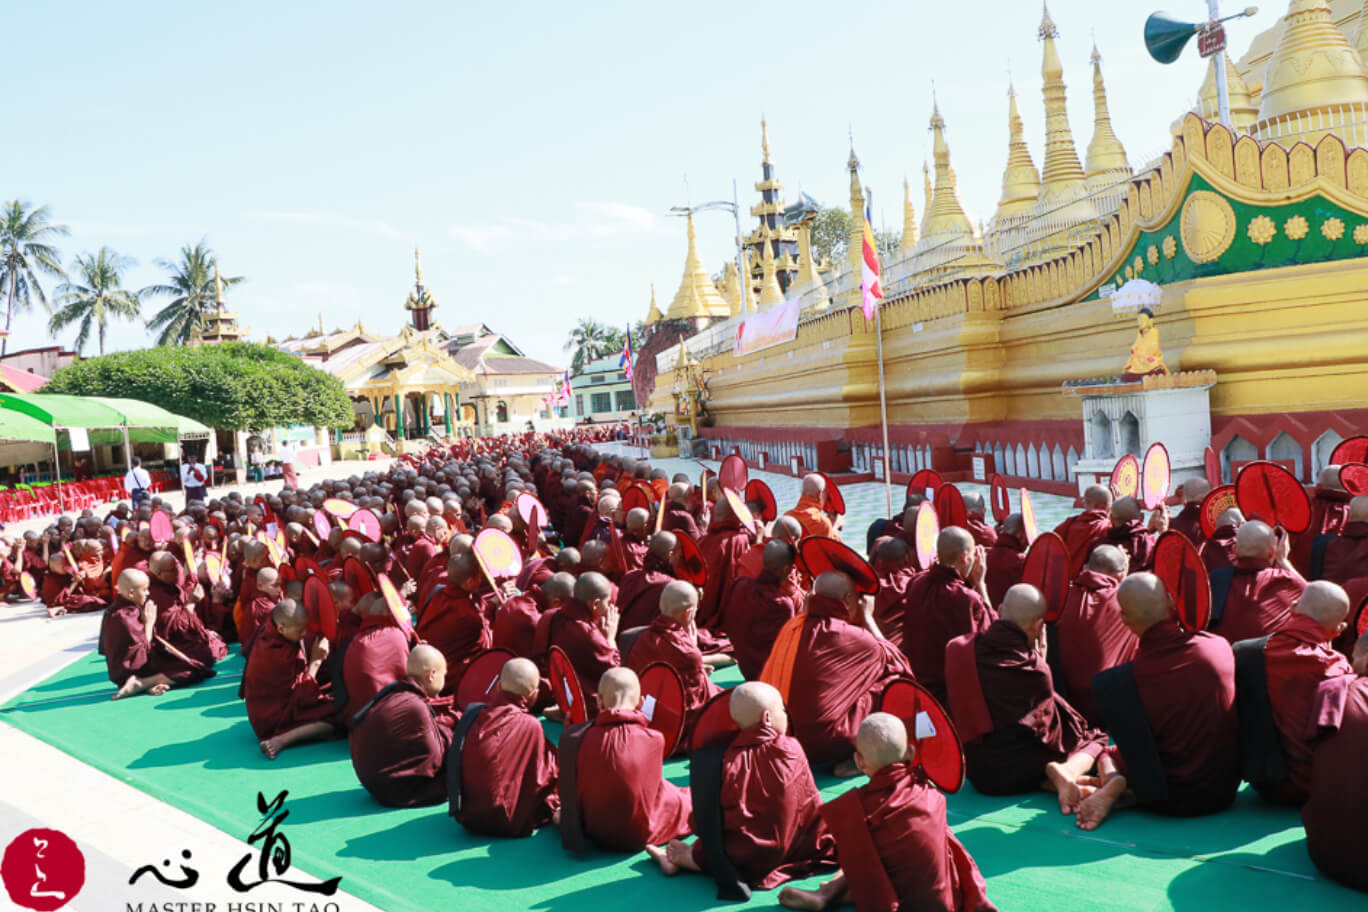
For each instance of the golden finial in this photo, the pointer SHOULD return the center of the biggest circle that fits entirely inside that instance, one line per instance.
(697, 296)
(1105, 152)
(417, 267)
(945, 215)
(1047, 26)
(926, 186)
(218, 287)
(854, 254)
(764, 139)
(770, 292)
(1313, 68)
(910, 234)
(1061, 177)
(653, 315)
(1020, 179)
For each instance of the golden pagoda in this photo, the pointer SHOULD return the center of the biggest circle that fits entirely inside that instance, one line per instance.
(420, 302)
(770, 292)
(771, 233)
(219, 324)
(1020, 179)
(697, 297)
(909, 232)
(1315, 82)
(945, 216)
(1063, 189)
(1106, 160)
(653, 315)
(809, 281)
(1243, 110)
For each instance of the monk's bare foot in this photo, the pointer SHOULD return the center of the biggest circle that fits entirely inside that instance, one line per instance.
(845, 769)
(718, 660)
(554, 714)
(157, 690)
(130, 688)
(680, 854)
(794, 898)
(270, 748)
(1095, 808)
(555, 816)
(662, 858)
(1069, 792)
(56, 612)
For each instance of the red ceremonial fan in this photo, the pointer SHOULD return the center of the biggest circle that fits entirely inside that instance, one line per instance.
(1213, 505)
(835, 500)
(925, 534)
(1028, 517)
(530, 510)
(307, 566)
(739, 509)
(287, 573)
(480, 682)
(319, 603)
(733, 474)
(1354, 478)
(214, 567)
(714, 722)
(1267, 491)
(273, 551)
(359, 576)
(267, 514)
(1361, 617)
(336, 506)
(322, 525)
(1125, 477)
(498, 553)
(565, 686)
(1047, 568)
(634, 498)
(822, 554)
(925, 482)
(662, 702)
(1184, 574)
(759, 492)
(189, 551)
(365, 522)
(1354, 449)
(1213, 468)
(27, 584)
(395, 601)
(950, 507)
(162, 530)
(690, 566)
(1155, 478)
(929, 730)
(1001, 500)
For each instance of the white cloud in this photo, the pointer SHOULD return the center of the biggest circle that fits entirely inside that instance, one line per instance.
(325, 220)
(598, 220)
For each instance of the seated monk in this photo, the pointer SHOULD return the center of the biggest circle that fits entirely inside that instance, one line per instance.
(266, 593)
(918, 863)
(1130, 533)
(1019, 735)
(639, 597)
(63, 592)
(1335, 811)
(672, 638)
(722, 548)
(1006, 559)
(285, 703)
(677, 515)
(1189, 520)
(400, 737)
(947, 601)
(976, 520)
(758, 607)
(635, 537)
(840, 666)
(508, 772)
(1343, 556)
(811, 510)
(1145, 354)
(1172, 712)
(1087, 529)
(177, 622)
(613, 791)
(895, 567)
(453, 620)
(586, 629)
(1329, 513)
(762, 823)
(376, 657)
(136, 661)
(427, 546)
(785, 529)
(1254, 598)
(1090, 635)
(1296, 659)
(1219, 550)
(515, 621)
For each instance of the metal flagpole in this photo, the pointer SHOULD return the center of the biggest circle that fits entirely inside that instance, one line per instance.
(883, 405)
(1222, 89)
(57, 471)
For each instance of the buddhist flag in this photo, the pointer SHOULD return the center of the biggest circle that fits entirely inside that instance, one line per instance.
(871, 292)
(625, 362)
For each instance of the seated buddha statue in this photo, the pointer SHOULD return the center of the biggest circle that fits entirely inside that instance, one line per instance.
(1146, 357)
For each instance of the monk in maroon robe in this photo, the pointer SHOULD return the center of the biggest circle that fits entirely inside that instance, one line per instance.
(976, 520)
(917, 862)
(672, 638)
(1090, 634)
(376, 657)
(945, 602)
(1336, 809)
(721, 548)
(454, 622)
(894, 567)
(1343, 556)
(613, 791)
(1019, 735)
(639, 596)
(1259, 590)
(63, 590)
(771, 828)
(285, 703)
(1189, 519)
(586, 630)
(508, 766)
(785, 529)
(757, 608)
(1082, 532)
(1297, 658)
(1006, 559)
(1172, 713)
(515, 623)
(634, 538)
(136, 662)
(1329, 513)
(399, 743)
(1131, 533)
(677, 515)
(178, 625)
(266, 591)
(1219, 550)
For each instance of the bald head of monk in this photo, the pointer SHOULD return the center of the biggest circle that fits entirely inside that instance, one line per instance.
(619, 688)
(1144, 602)
(723, 512)
(343, 596)
(1125, 510)
(892, 552)
(133, 586)
(757, 703)
(348, 547)
(520, 678)
(678, 492)
(1024, 605)
(268, 582)
(568, 560)
(460, 544)
(163, 567)
(1256, 541)
(974, 505)
(1097, 497)
(663, 546)
(880, 742)
(1358, 509)
(777, 558)
(416, 524)
(463, 572)
(814, 486)
(499, 521)
(1195, 490)
(679, 601)
(1232, 518)
(638, 521)
(1329, 479)
(427, 666)
(955, 549)
(559, 589)
(1015, 526)
(838, 586)
(1109, 560)
(787, 529)
(291, 619)
(592, 555)
(594, 590)
(1327, 604)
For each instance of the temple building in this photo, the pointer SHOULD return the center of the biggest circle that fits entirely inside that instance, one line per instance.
(1254, 235)
(220, 325)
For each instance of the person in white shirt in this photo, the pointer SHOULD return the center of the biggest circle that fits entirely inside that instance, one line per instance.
(287, 459)
(138, 483)
(194, 480)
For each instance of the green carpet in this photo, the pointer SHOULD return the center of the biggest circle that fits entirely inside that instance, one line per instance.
(194, 749)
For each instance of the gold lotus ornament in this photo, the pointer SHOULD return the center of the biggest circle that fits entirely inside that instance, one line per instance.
(1332, 229)
(1170, 247)
(1296, 227)
(1361, 234)
(1262, 229)
(1207, 226)
(1152, 254)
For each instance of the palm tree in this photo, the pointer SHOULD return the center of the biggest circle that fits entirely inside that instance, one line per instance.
(24, 252)
(590, 339)
(96, 297)
(191, 289)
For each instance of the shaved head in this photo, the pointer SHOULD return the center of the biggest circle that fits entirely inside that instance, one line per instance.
(428, 667)
(619, 688)
(1109, 560)
(833, 585)
(787, 529)
(663, 545)
(881, 741)
(813, 485)
(751, 702)
(520, 677)
(1144, 602)
(678, 599)
(1195, 490)
(1023, 605)
(1231, 517)
(1329, 478)
(1097, 497)
(952, 544)
(1126, 509)
(778, 557)
(638, 519)
(1255, 539)
(974, 505)
(1326, 602)
(559, 588)
(130, 582)
(289, 614)
(1358, 509)
(592, 587)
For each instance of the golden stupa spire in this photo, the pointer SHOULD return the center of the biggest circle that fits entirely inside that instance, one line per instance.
(697, 296)
(764, 140)
(770, 292)
(855, 247)
(1361, 36)
(1106, 155)
(1243, 110)
(417, 267)
(729, 288)
(910, 234)
(1313, 68)
(809, 280)
(926, 187)
(1020, 179)
(653, 315)
(218, 287)
(1062, 174)
(945, 216)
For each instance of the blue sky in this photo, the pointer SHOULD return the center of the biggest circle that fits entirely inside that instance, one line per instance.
(531, 150)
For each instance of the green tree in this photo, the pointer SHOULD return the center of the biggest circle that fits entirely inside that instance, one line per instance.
(233, 386)
(96, 297)
(591, 339)
(830, 234)
(191, 289)
(25, 231)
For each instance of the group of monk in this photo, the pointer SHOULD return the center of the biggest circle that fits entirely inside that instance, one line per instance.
(1113, 704)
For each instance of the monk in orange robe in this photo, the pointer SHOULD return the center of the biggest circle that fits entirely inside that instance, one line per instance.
(811, 510)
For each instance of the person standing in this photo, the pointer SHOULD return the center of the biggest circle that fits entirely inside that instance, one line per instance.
(137, 483)
(286, 454)
(194, 479)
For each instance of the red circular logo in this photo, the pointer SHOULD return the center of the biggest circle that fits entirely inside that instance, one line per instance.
(43, 870)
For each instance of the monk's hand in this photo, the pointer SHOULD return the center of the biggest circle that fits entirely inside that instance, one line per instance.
(978, 567)
(609, 622)
(149, 616)
(198, 593)
(1282, 545)
(319, 653)
(1159, 520)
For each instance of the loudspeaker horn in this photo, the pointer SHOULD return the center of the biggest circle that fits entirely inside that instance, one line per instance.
(1165, 36)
